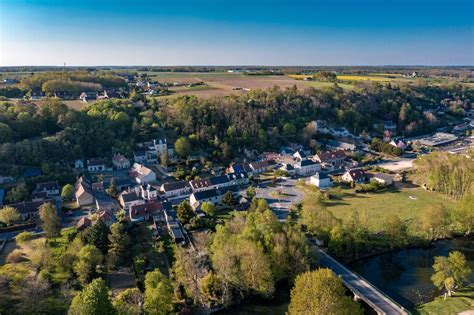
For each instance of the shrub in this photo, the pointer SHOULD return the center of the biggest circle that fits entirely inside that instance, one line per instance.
(24, 237)
(15, 257)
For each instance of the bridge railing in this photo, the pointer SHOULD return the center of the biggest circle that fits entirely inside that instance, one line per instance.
(355, 291)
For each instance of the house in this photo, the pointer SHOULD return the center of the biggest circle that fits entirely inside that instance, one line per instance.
(87, 97)
(30, 209)
(335, 158)
(307, 167)
(263, 166)
(83, 223)
(299, 155)
(320, 126)
(120, 162)
(339, 145)
(321, 180)
(148, 192)
(341, 132)
(217, 182)
(462, 127)
(356, 175)
(236, 168)
(287, 167)
(84, 193)
(157, 146)
(139, 156)
(382, 178)
(128, 199)
(49, 188)
(151, 157)
(122, 183)
(213, 196)
(78, 164)
(107, 216)
(95, 165)
(103, 202)
(144, 174)
(399, 144)
(174, 226)
(145, 211)
(178, 189)
(36, 95)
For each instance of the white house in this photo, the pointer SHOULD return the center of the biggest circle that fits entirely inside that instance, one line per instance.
(356, 175)
(120, 162)
(263, 166)
(95, 165)
(307, 167)
(217, 182)
(144, 175)
(321, 180)
(148, 192)
(213, 196)
(288, 168)
(178, 189)
(299, 155)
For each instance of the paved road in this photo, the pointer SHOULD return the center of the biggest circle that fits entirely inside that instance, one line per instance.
(281, 203)
(363, 289)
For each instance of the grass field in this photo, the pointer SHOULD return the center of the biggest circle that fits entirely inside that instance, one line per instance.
(379, 205)
(377, 78)
(462, 300)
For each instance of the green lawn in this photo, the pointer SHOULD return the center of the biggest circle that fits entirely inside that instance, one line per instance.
(462, 300)
(380, 205)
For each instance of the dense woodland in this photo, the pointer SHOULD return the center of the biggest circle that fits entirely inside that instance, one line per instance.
(47, 132)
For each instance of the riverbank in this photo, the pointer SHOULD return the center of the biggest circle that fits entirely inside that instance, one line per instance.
(462, 300)
(405, 275)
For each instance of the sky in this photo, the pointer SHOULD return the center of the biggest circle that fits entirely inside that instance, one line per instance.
(238, 32)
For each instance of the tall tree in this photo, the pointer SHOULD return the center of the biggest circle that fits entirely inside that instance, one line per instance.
(17, 194)
(129, 302)
(94, 299)
(183, 147)
(434, 221)
(88, 259)
(67, 192)
(119, 244)
(97, 235)
(450, 272)
(321, 292)
(185, 212)
(396, 231)
(464, 214)
(50, 221)
(9, 215)
(158, 294)
(208, 208)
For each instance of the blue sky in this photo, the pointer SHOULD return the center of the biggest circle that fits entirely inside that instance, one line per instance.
(213, 32)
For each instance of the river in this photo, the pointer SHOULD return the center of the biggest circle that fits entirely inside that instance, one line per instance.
(406, 275)
(403, 275)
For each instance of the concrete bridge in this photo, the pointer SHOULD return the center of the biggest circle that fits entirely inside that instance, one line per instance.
(361, 288)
